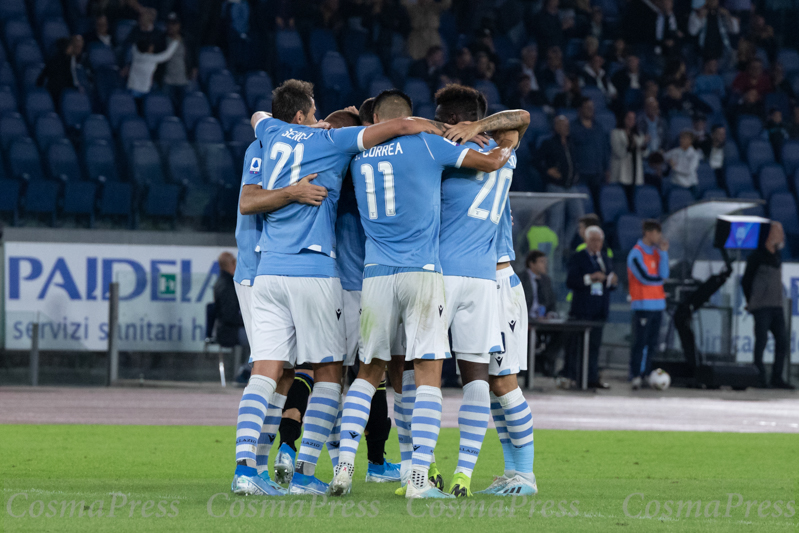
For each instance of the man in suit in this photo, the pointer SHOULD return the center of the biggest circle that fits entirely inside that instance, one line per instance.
(541, 302)
(591, 279)
(229, 323)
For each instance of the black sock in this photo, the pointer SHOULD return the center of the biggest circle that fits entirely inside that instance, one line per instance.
(290, 431)
(378, 426)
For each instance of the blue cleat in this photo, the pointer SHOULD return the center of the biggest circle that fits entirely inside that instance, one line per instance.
(385, 473)
(284, 464)
(519, 486)
(302, 484)
(499, 483)
(247, 482)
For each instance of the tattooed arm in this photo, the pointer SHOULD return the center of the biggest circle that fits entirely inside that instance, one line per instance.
(516, 119)
(397, 127)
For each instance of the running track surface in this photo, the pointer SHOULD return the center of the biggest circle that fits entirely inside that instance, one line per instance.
(750, 412)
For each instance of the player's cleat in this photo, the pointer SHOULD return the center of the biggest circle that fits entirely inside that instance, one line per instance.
(460, 486)
(499, 483)
(246, 482)
(302, 484)
(430, 491)
(342, 480)
(385, 473)
(284, 464)
(519, 486)
(401, 490)
(434, 475)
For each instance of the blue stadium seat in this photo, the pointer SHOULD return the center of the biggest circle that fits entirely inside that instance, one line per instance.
(219, 168)
(12, 127)
(790, 156)
(321, 42)
(489, 90)
(714, 193)
(712, 100)
(44, 9)
(707, 177)
(24, 160)
(335, 81)
(353, 43)
(7, 78)
(106, 81)
(79, 199)
(782, 208)
(367, 68)
(27, 53)
(8, 102)
(16, 31)
(628, 231)
(162, 200)
(9, 199)
(588, 203)
(731, 154)
(220, 83)
(242, 132)
(737, 178)
(780, 101)
(290, 55)
(749, 127)
(116, 200)
(133, 130)
(647, 202)
(12, 8)
(759, 153)
(258, 85)
(606, 119)
(238, 149)
(96, 127)
(612, 203)
(400, 66)
(41, 198)
(772, 180)
(62, 161)
(677, 123)
(679, 198)
(183, 165)
(52, 30)
(211, 59)
(230, 110)
(496, 108)
(156, 107)
(425, 111)
(195, 106)
(120, 107)
(75, 108)
(539, 124)
(37, 102)
(208, 130)
(27, 80)
(100, 161)
(597, 96)
(101, 56)
(145, 164)
(171, 131)
(418, 91)
(48, 130)
(379, 85)
(790, 61)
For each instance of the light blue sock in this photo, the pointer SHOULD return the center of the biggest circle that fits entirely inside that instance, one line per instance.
(502, 432)
(519, 420)
(357, 406)
(334, 440)
(268, 432)
(252, 411)
(317, 424)
(425, 427)
(403, 419)
(472, 422)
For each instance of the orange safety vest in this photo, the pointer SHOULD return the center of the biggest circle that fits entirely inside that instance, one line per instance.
(639, 291)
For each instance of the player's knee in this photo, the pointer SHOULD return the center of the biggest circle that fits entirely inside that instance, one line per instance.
(502, 385)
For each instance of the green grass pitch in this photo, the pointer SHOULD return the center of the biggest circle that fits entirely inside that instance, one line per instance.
(157, 478)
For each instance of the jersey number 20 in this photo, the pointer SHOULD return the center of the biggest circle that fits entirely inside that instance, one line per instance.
(387, 170)
(500, 196)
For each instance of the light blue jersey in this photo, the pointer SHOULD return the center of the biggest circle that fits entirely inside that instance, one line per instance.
(398, 187)
(504, 238)
(299, 239)
(248, 227)
(472, 207)
(350, 239)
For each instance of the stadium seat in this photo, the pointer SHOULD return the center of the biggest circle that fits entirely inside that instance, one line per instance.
(156, 107)
(62, 161)
(367, 68)
(379, 85)
(596, 95)
(731, 154)
(171, 131)
(106, 81)
(647, 202)
(612, 203)
(353, 43)
(712, 100)
(321, 42)
(772, 180)
(782, 208)
(714, 193)
(707, 177)
(12, 8)
(27, 53)
(96, 127)
(162, 200)
(539, 124)
(37, 102)
(133, 130)
(41, 199)
(790, 61)
(749, 127)
(27, 80)
(606, 120)
(230, 110)
(44, 9)
(220, 83)
(16, 31)
(120, 107)
(336, 84)
(779, 101)
(489, 90)
(588, 203)
(759, 153)
(257, 85)
(75, 108)
(24, 160)
(737, 178)
(116, 200)
(758, 210)
(183, 166)
(210, 60)
(679, 198)
(242, 132)
(790, 156)
(198, 201)
(8, 102)
(48, 129)
(195, 106)
(677, 123)
(52, 30)
(400, 66)
(101, 56)
(12, 127)
(219, 168)
(425, 111)
(290, 55)
(9, 199)
(418, 91)
(100, 162)
(208, 130)
(238, 149)
(79, 199)
(628, 231)
(145, 163)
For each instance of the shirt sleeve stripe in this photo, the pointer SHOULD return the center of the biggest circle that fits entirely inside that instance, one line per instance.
(360, 140)
(461, 158)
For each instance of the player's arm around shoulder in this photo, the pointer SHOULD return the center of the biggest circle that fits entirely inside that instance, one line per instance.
(399, 127)
(513, 119)
(495, 158)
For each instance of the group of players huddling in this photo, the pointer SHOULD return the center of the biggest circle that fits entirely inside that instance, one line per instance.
(373, 234)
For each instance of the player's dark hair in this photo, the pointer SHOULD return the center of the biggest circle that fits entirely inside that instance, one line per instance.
(367, 111)
(651, 224)
(290, 97)
(589, 220)
(456, 103)
(534, 256)
(393, 103)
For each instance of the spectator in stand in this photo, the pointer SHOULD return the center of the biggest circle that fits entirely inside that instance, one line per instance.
(681, 101)
(460, 69)
(548, 27)
(647, 268)
(556, 162)
(99, 33)
(553, 72)
(143, 63)
(147, 31)
(114, 9)
(591, 148)
(630, 77)
(626, 149)
(525, 97)
(617, 55)
(484, 68)
(229, 323)
(675, 73)
(684, 160)
(60, 71)
(541, 303)
(527, 66)
(702, 140)
(280, 14)
(793, 129)
(571, 96)
(744, 54)
(484, 42)
(667, 33)
(652, 125)
(590, 49)
(753, 79)
(712, 26)
(329, 17)
(597, 28)
(653, 174)
(775, 132)
(430, 68)
(714, 151)
(709, 82)
(425, 17)
(781, 84)
(593, 75)
(640, 25)
(762, 36)
(179, 69)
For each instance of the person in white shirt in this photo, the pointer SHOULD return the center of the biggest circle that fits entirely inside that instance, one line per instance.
(684, 160)
(143, 64)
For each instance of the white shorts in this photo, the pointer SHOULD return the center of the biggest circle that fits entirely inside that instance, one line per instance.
(473, 313)
(244, 294)
(412, 299)
(513, 319)
(298, 320)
